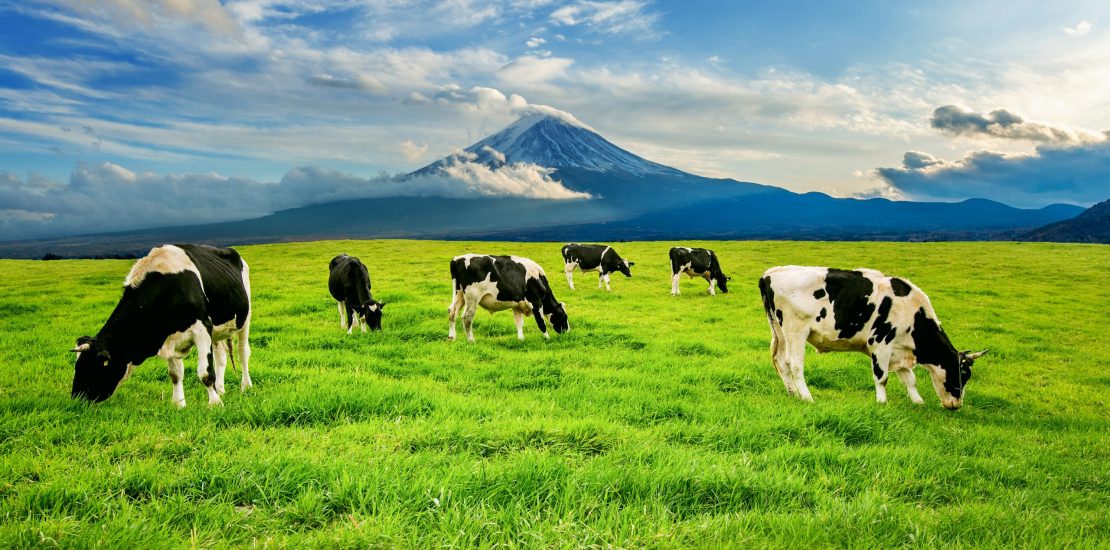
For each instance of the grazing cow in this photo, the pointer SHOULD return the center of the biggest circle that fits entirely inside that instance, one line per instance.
(697, 262)
(594, 257)
(888, 318)
(349, 283)
(174, 298)
(503, 282)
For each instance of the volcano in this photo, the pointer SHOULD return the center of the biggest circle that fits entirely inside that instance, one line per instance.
(630, 198)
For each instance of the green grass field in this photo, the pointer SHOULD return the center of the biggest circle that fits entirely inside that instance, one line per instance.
(658, 421)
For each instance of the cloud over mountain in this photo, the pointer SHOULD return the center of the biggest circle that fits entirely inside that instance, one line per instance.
(1005, 124)
(108, 197)
(1078, 175)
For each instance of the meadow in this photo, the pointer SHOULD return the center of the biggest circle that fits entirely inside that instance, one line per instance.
(658, 421)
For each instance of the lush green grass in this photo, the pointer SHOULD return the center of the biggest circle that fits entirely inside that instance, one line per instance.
(658, 421)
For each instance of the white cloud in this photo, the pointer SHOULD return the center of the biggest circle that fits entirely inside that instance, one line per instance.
(412, 151)
(622, 16)
(535, 42)
(108, 197)
(1082, 28)
(531, 71)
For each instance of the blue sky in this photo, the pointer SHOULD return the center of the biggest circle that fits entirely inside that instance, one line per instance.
(97, 97)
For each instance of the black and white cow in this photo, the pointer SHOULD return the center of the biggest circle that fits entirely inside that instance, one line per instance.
(594, 257)
(177, 297)
(697, 262)
(349, 284)
(503, 282)
(888, 318)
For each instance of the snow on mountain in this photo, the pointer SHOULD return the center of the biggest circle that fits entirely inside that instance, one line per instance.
(554, 139)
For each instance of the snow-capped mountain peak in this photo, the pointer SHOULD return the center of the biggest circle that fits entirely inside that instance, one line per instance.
(555, 139)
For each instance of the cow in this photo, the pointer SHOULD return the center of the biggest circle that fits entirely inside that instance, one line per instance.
(503, 282)
(174, 298)
(697, 262)
(349, 284)
(594, 257)
(888, 318)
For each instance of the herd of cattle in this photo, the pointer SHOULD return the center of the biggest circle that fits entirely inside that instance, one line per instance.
(184, 296)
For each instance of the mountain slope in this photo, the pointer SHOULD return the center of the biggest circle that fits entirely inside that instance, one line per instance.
(1092, 226)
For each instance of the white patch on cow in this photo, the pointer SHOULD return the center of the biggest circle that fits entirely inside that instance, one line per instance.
(568, 269)
(342, 315)
(532, 270)
(167, 259)
(373, 307)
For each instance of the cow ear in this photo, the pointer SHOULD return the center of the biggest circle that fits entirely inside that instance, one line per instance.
(381, 305)
(630, 264)
(728, 278)
(83, 344)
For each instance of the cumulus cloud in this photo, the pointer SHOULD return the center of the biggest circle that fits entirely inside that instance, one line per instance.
(412, 151)
(108, 197)
(622, 16)
(1005, 124)
(1082, 28)
(1077, 174)
(535, 42)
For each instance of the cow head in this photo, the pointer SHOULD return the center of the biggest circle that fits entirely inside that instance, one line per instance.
(951, 378)
(371, 314)
(558, 318)
(722, 281)
(624, 266)
(95, 376)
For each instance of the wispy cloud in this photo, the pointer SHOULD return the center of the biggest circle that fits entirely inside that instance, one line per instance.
(1005, 124)
(622, 16)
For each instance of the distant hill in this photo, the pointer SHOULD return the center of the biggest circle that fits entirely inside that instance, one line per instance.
(1092, 226)
(632, 198)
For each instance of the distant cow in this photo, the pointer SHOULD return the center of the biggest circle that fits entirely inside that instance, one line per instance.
(888, 318)
(177, 297)
(697, 262)
(349, 284)
(503, 282)
(594, 257)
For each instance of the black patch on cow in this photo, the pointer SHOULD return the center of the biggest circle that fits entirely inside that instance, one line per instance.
(849, 292)
(162, 304)
(819, 293)
(932, 347)
(603, 258)
(221, 269)
(768, 295)
(875, 368)
(822, 314)
(900, 287)
(702, 262)
(349, 283)
(882, 331)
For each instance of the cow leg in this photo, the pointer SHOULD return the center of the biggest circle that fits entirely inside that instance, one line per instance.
(361, 324)
(539, 321)
(795, 344)
(569, 270)
(342, 315)
(600, 279)
(518, 316)
(219, 355)
(880, 371)
(674, 284)
(607, 289)
(176, 368)
(243, 339)
(205, 369)
(712, 287)
(468, 317)
(779, 359)
(453, 314)
(352, 318)
(910, 382)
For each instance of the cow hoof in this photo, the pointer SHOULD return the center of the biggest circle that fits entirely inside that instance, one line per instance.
(179, 404)
(220, 390)
(214, 402)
